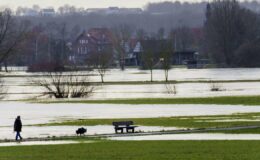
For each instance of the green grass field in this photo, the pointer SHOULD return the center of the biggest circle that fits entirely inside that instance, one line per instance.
(226, 100)
(138, 150)
(245, 119)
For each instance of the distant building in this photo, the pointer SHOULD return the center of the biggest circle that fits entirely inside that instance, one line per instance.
(48, 12)
(133, 49)
(30, 12)
(115, 10)
(189, 58)
(185, 57)
(93, 41)
(153, 45)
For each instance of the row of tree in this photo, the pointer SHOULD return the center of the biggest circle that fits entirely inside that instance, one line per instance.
(229, 37)
(232, 34)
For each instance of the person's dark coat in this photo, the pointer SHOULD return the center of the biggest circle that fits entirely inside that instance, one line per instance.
(18, 125)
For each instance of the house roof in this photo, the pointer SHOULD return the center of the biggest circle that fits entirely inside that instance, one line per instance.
(96, 35)
(100, 34)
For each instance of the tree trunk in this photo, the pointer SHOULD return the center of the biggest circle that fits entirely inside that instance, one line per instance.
(151, 75)
(166, 75)
(5, 64)
(122, 64)
(102, 78)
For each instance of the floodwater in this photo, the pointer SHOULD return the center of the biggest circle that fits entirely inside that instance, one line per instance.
(35, 113)
(149, 91)
(181, 74)
(191, 136)
(20, 87)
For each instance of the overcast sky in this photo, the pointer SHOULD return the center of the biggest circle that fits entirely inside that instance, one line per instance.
(79, 3)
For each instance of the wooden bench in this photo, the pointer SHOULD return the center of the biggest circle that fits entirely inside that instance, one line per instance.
(128, 125)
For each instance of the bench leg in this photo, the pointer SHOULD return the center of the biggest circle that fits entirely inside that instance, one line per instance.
(121, 130)
(128, 130)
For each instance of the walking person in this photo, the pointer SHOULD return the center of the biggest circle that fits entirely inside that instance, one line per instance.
(18, 128)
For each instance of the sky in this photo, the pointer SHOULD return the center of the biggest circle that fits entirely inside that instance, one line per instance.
(78, 3)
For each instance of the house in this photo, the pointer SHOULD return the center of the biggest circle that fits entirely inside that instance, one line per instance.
(93, 41)
(189, 58)
(184, 57)
(151, 45)
(114, 10)
(30, 12)
(132, 49)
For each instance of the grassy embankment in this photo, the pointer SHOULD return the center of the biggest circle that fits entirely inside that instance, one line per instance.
(218, 121)
(145, 150)
(225, 100)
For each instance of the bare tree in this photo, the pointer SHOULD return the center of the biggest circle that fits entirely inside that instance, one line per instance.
(182, 38)
(101, 61)
(166, 59)
(65, 85)
(149, 61)
(121, 36)
(171, 88)
(141, 34)
(227, 27)
(12, 33)
(161, 33)
(247, 55)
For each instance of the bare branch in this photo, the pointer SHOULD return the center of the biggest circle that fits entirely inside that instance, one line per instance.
(61, 85)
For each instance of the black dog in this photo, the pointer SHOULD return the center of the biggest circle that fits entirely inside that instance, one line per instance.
(81, 131)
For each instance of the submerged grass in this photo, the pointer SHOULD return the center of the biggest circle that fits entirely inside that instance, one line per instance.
(131, 150)
(225, 100)
(245, 119)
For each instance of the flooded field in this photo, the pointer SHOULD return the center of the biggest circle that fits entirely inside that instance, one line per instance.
(180, 74)
(20, 87)
(148, 91)
(33, 113)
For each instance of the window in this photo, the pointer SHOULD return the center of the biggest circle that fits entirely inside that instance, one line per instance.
(82, 41)
(86, 50)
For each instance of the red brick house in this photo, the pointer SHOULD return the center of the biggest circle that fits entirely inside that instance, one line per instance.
(93, 41)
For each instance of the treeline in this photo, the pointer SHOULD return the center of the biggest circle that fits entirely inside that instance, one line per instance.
(227, 32)
(154, 16)
(232, 34)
